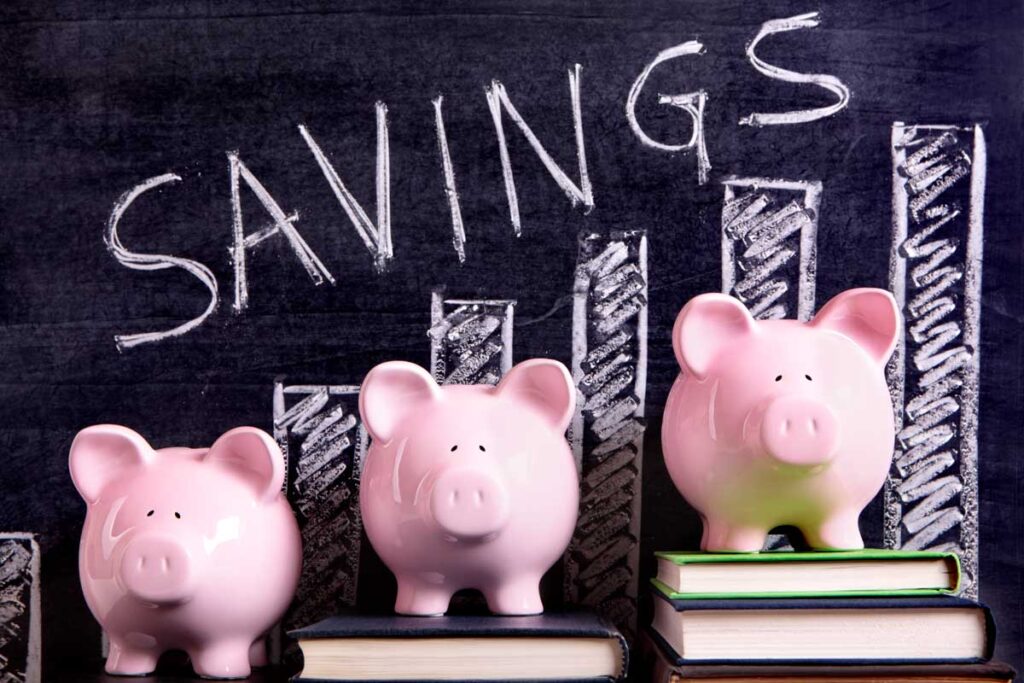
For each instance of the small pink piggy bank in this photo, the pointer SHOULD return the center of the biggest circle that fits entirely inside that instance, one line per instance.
(781, 422)
(469, 486)
(187, 549)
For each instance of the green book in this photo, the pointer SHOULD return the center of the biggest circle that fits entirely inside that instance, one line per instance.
(787, 574)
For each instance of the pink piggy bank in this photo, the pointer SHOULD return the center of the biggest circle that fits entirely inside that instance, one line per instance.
(781, 422)
(186, 549)
(469, 486)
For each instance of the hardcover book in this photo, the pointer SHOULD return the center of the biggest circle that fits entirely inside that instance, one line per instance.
(663, 669)
(572, 646)
(834, 630)
(697, 575)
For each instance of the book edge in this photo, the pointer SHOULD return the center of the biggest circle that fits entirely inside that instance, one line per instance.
(667, 591)
(617, 638)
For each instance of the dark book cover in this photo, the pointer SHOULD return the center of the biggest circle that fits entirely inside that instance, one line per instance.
(873, 603)
(578, 624)
(865, 603)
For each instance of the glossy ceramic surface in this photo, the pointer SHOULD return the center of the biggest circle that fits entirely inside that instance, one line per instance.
(469, 486)
(191, 549)
(781, 422)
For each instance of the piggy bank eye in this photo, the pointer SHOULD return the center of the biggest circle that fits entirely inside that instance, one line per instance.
(778, 378)
(177, 515)
(150, 513)
(482, 449)
(808, 378)
(455, 448)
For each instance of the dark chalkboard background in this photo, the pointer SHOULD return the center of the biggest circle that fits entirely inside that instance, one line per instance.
(97, 97)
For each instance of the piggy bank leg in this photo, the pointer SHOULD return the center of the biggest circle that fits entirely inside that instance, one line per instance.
(127, 660)
(223, 659)
(726, 538)
(517, 596)
(258, 652)
(839, 531)
(419, 598)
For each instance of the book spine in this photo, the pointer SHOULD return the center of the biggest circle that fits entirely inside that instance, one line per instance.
(624, 646)
(990, 632)
(958, 572)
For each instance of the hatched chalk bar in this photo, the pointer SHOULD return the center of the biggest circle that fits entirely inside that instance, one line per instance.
(19, 609)
(324, 442)
(769, 245)
(931, 496)
(769, 242)
(609, 368)
(470, 339)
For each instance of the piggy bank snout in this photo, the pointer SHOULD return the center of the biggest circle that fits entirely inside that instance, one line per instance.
(469, 504)
(797, 430)
(158, 569)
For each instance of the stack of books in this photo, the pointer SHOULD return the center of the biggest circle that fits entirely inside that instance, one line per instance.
(573, 646)
(867, 615)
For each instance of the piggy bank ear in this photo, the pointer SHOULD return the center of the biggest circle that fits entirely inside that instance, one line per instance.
(390, 393)
(705, 323)
(100, 453)
(869, 317)
(546, 385)
(254, 455)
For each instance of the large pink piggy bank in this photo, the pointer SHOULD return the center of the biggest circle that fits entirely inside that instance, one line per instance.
(187, 549)
(469, 486)
(781, 422)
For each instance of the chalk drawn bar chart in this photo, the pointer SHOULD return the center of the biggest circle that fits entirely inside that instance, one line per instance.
(470, 339)
(769, 245)
(931, 496)
(609, 368)
(323, 440)
(20, 614)
(769, 253)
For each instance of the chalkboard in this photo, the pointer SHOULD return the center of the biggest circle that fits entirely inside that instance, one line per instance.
(226, 213)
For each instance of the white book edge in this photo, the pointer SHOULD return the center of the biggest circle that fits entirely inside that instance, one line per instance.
(844, 634)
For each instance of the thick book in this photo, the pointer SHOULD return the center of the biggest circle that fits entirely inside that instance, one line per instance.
(837, 630)
(662, 668)
(570, 646)
(696, 575)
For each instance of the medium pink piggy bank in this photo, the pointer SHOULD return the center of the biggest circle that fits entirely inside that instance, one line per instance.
(186, 549)
(469, 486)
(781, 422)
